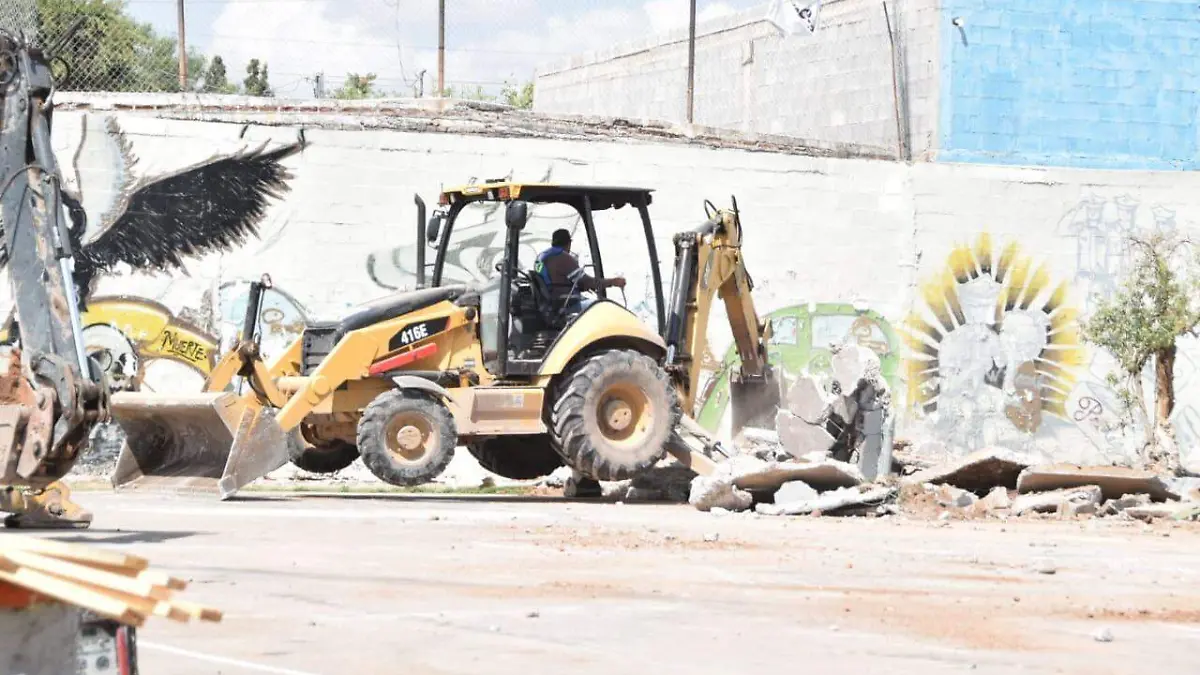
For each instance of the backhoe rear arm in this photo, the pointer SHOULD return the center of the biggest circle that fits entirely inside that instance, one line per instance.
(709, 264)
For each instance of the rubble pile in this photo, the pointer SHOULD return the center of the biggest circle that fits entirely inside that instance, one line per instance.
(833, 455)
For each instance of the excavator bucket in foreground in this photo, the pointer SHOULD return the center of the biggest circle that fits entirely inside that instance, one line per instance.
(195, 443)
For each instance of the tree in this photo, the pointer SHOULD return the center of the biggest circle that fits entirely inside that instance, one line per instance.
(1158, 302)
(357, 87)
(518, 98)
(216, 81)
(111, 51)
(256, 82)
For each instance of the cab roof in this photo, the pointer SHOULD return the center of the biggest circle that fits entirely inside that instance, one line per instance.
(602, 197)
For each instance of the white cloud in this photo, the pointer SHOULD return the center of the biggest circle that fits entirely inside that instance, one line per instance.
(668, 15)
(487, 41)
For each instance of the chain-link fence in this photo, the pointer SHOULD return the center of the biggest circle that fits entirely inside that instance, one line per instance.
(19, 17)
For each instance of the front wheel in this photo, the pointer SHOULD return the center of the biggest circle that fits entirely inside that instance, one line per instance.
(406, 438)
(613, 415)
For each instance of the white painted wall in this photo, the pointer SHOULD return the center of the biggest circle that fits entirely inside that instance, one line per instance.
(818, 230)
(835, 86)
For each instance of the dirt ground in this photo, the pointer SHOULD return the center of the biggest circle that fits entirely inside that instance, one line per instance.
(433, 584)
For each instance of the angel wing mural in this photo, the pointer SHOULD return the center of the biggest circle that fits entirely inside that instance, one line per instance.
(156, 222)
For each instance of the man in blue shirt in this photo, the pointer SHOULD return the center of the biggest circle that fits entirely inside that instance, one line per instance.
(561, 271)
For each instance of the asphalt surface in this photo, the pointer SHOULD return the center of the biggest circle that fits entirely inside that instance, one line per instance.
(421, 584)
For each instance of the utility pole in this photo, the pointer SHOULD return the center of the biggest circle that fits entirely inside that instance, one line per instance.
(441, 47)
(319, 85)
(691, 85)
(183, 74)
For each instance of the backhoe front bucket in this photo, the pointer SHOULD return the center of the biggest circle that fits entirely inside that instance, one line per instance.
(195, 443)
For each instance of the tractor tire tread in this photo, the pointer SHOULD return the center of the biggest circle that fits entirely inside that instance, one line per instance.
(569, 428)
(328, 457)
(372, 445)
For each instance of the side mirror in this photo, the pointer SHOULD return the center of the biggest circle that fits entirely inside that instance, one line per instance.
(516, 215)
(434, 228)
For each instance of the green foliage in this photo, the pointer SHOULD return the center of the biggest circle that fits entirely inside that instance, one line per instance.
(468, 95)
(111, 51)
(357, 87)
(216, 80)
(1157, 303)
(518, 98)
(257, 81)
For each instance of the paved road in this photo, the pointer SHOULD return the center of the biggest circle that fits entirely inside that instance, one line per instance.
(413, 585)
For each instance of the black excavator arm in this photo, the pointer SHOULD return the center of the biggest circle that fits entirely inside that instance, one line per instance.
(51, 393)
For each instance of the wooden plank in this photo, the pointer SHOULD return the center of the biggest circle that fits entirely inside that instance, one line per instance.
(72, 552)
(72, 571)
(152, 577)
(143, 605)
(199, 612)
(71, 593)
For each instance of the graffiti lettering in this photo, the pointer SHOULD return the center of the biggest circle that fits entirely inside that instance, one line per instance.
(1088, 407)
(189, 350)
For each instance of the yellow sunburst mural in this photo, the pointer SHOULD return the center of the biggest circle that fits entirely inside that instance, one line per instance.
(990, 319)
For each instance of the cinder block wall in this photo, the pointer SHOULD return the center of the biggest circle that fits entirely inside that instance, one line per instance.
(1087, 83)
(835, 86)
(840, 250)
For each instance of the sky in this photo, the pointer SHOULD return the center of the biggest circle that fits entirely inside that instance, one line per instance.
(488, 42)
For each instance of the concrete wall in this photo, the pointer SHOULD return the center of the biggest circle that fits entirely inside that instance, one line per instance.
(835, 86)
(840, 249)
(1087, 83)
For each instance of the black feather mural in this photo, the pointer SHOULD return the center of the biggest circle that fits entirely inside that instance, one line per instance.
(161, 221)
(208, 208)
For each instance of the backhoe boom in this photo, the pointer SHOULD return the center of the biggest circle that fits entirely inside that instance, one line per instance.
(709, 264)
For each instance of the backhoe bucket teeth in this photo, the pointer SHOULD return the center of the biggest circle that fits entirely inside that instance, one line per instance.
(196, 443)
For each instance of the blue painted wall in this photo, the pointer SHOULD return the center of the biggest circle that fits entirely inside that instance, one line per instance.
(1082, 83)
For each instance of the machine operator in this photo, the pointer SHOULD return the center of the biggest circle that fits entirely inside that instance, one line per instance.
(559, 268)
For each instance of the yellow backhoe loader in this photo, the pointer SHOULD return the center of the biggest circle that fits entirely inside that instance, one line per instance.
(526, 380)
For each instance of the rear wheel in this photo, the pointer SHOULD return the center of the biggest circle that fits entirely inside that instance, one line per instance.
(613, 415)
(406, 438)
(327, 457)
(517, 457)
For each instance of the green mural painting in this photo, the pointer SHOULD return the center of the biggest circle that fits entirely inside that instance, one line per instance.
(802, 335)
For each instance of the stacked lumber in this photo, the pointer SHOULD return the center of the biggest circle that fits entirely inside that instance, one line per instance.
(111, 584)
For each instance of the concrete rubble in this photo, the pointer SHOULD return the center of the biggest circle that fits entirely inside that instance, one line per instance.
(977, 472)
(835, 502)
(845, 414)
(1077, 500)
(1115, 481)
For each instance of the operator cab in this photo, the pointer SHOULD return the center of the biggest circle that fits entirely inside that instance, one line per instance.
(482, 235)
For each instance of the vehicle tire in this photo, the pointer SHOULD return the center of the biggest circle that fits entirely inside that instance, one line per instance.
(406, 438)
(328, 457)
(517, 457)
(613, 414)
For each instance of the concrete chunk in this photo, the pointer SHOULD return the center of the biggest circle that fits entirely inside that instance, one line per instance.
(851, 364)
(718, 491)
(794, 491)
(978, 472)
(1113, 507)
(831, 502)
(996, 500)
(1115, 481)
(807, 400)
(821, 476)
(799, 437)
(948, 495)
(1152, 512)
(1058, 500)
